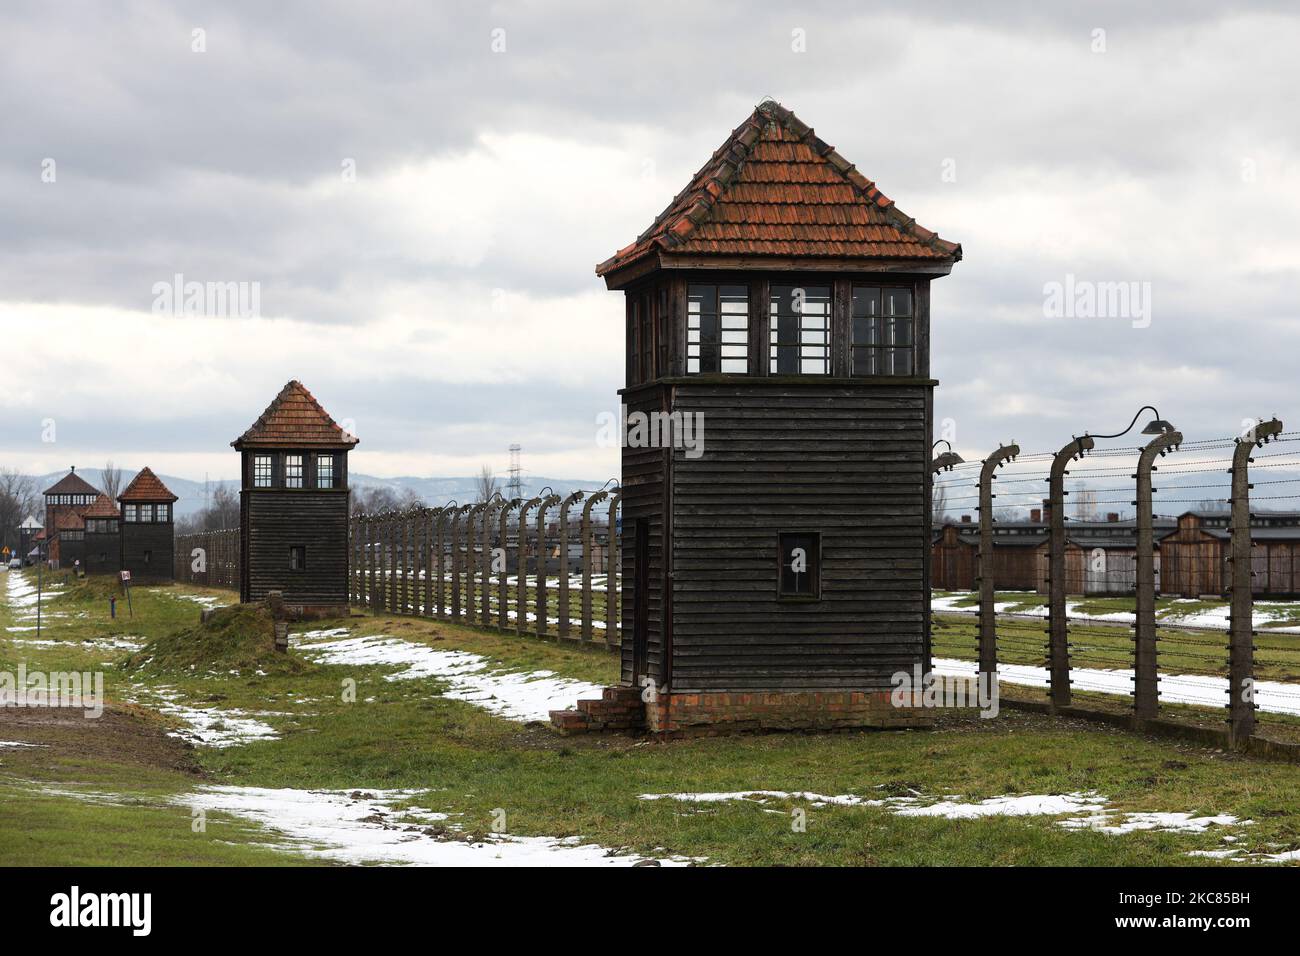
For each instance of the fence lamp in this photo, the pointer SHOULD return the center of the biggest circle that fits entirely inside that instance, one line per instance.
(1157, 425)
(948, 459)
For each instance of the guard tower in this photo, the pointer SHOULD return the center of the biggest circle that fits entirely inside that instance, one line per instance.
(776, 530)
(294, 506)
(27, 532)
(65, 529)
(148, 545)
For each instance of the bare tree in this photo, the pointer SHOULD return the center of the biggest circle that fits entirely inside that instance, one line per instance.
(18, 499)
(486, 485)
(111, 481)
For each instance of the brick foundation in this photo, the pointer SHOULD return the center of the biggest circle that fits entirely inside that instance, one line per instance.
(694, 715)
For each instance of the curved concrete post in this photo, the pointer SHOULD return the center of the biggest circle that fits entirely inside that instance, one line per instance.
(372, 562)
(1241, 623)
(563, 602)
(611, 577)
(521, 571)
(440, 518)
(984, 577)
(541, 611)
(1058, 646)
(456, 562)
(473, 567)
(485, 563)
(404, 542)
(588, 548)
(503, 583)
(1146, 671)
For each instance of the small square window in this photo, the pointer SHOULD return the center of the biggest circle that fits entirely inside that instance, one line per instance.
(148, 557)
(261, 471)
(297, 557)
(129, 514)
(801, 560)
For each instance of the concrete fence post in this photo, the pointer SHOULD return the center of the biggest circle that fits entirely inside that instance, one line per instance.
(485, 562)
(1241, 617)
(455, 561)
(1146, 670)
(543, 614)
(521, 572)
(503, 579)
(563, 598)
(1058, 631)
(372, 548)
(588, 549)
(984, 576)
(405, 606)
(612, 636)
(440, 518)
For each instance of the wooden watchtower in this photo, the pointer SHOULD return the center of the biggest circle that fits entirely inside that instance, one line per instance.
(148, 528)
(294, 506)
(776, 543)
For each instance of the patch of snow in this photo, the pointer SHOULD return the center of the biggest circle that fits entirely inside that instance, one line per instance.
(209, 726)
(1107, 822)
(14, 744)
(522, 696)
(759, 796)
(1272, 696)
(1007, 806)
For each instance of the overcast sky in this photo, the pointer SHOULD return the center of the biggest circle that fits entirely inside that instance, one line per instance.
(443, 298)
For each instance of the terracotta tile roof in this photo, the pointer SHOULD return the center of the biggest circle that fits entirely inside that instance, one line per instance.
(71, 484)
(775, 189)
(146, 486)
(103, 507)
(295, 418)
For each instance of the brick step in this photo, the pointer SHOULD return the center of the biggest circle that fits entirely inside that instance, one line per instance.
(617, 709)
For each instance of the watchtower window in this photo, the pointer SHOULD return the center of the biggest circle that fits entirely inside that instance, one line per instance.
(801, 330)
(324, 471)
(298, 558)
(261, 471)
(883, 340)
(293, 471)
(801, 559)
(717, 329)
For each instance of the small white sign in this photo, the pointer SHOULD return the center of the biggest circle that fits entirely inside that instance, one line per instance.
(126, 575)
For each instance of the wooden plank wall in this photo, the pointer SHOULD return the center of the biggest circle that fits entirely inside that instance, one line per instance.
(222, 552)
(848, 461)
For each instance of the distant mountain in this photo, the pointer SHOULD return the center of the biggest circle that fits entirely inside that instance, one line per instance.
(433, 491)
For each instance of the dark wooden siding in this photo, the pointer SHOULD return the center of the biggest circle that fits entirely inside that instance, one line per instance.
(276, 520)
(107, 545)
(643, 497)
(847, 460)
(158, 540)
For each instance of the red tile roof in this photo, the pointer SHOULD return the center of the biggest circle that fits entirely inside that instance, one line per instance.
(103, 507)
(71, 484)
(146, 487)
(775, 189)
(294, 418)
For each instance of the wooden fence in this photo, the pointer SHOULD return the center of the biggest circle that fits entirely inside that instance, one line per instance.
(209, 558)
(512, 565)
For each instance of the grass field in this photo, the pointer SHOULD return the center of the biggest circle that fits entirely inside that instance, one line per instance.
(119, 789)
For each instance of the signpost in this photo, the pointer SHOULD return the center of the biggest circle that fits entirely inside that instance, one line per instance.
(126, 586)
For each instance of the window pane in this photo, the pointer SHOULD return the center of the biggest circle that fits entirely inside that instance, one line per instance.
(898, 301)
(800, 564)
(717, 328)
(800, 317)
(293, 471)
(325, 471)
(261, 471)
(882, 340)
